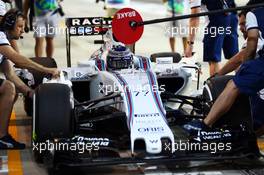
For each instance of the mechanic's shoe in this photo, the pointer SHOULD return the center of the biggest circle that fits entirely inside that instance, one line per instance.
(8, 142)
(195, 126)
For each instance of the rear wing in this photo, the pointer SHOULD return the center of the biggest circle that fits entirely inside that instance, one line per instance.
(85, 26)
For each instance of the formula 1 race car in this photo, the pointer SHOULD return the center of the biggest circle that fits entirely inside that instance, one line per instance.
(117, 102)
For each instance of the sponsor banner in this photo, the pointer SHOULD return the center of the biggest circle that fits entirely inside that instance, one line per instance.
(88, 26)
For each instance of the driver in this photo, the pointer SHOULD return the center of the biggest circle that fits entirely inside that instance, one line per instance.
(119, 57)
(248, 80)
(12, 26)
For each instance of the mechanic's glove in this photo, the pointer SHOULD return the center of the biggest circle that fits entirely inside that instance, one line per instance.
(54, 72)
(30, 94)
(213, 76)
(194, 127)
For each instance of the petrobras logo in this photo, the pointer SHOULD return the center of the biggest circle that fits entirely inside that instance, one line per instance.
(147, 115)
(150, 129)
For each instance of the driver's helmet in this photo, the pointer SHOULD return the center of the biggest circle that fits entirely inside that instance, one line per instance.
(119, 57)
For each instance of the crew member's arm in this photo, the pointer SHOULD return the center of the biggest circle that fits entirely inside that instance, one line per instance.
(11, 75)
(253, 35)
(24, 62)
(233, 63)
(193, 26)
(13, 43)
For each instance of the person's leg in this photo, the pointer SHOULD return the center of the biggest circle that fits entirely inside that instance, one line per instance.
(110, 12)
(39, 46)
(212, 52)
(52, 28)
(7, 96)
(172, 44)
(248, 80)
(49, 47)
(39, 34)
(213, 68)
(230, 44)
(184, 43)
(223, 103)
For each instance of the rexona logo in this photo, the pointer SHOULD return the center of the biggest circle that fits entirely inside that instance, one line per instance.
(147, 115)
(151, 129)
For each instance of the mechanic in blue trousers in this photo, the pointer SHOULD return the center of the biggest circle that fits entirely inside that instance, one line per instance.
(221, 32)
(248, 80)
(256, 101)
(12, 26)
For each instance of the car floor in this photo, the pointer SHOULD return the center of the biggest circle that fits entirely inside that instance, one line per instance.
(21, 162)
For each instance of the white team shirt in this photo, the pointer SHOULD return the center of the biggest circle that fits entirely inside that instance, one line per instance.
(252, 23)
(195, 3)
(3, 41)
(259, 47)
(118, 4)
(2, 8)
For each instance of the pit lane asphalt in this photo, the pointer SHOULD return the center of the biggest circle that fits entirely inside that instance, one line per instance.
(152, 41)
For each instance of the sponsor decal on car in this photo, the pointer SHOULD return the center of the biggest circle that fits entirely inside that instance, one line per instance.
(151, 129)
(147, 115)
(98, 141)
(213, 135)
